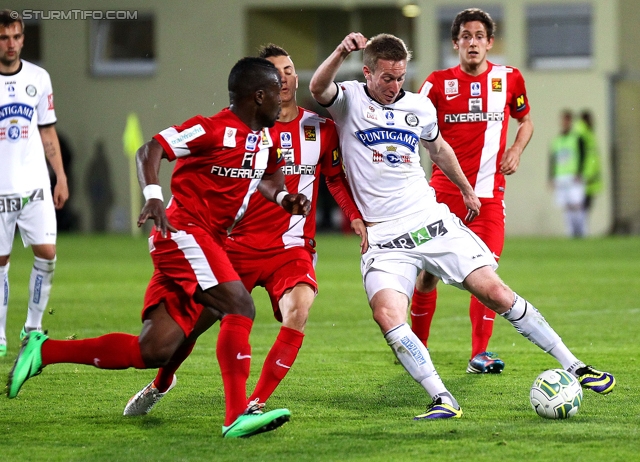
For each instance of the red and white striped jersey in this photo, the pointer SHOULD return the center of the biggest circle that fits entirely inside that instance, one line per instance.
(473, 115)
(308, 146)
(219, 163)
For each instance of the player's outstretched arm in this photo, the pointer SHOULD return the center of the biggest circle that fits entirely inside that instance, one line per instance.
(443, 156)
(321, 86)
(148, 160)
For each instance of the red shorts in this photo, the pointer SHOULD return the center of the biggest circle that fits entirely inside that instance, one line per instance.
(489, 225)
(183, 261)
(277, 271)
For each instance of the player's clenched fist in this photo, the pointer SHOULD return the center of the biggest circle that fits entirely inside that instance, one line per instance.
(296, 204)
(353, 42)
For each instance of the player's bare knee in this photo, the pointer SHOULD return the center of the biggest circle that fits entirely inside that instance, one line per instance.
(386, 318)
(240, 303)
(498, 297)
(227, 298)
(46, 252)
(295, 318)
(155, 354)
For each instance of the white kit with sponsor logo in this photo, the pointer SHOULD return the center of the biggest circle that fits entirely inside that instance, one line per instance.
(380, 149)
(26, 101)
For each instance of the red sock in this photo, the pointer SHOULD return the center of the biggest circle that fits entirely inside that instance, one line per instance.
(281, 357)
(110, 351)
(423, 307)
(481, 326)
(234, 356)
(165, 373)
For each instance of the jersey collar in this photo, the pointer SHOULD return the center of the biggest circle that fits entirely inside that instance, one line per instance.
(13, 73)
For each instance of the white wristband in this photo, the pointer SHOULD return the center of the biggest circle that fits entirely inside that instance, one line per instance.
(153, 191)
(280, 197)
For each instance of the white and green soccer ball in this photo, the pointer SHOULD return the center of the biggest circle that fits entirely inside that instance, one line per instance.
(556, 394)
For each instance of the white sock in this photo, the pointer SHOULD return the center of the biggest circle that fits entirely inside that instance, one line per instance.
(529, 322)
(566, 359)
(39, 289)
(415, 358)
(4, 301)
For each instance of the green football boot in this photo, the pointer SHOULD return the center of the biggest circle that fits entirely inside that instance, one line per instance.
(254, 421)
(28, 363)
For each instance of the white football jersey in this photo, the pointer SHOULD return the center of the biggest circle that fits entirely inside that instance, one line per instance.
(380, 150)
(26, 101)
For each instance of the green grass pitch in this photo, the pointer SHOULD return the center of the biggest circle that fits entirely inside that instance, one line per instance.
(348, 398)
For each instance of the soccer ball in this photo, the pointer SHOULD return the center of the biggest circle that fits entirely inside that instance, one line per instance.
(556, 394)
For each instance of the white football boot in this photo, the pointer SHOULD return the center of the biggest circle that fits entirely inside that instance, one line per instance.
(142, 402)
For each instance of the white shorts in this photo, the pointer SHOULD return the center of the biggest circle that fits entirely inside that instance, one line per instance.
(569, 192)
(435, 241)
(34, 214)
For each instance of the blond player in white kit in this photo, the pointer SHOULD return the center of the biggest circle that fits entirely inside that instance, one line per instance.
(380, 127)
(27, 136)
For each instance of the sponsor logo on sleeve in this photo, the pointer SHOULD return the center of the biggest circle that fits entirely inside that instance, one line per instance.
(182, 138)
(50, 101)
(521, 103)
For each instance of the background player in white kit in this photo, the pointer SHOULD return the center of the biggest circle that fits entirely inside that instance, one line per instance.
(380, 126)
(27, 136)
